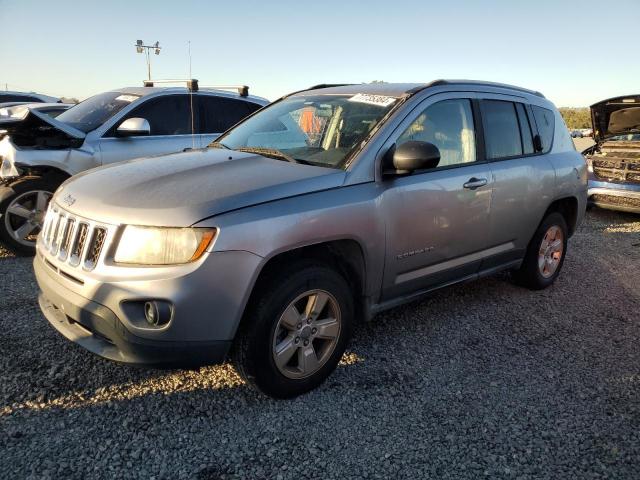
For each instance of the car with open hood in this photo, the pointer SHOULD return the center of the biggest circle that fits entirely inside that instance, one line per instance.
(614, 160)
(326, 207)
(20, 110)
(39, 152)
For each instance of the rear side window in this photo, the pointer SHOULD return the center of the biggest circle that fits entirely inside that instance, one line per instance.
(167, 115)
(501, 129)
(10, 97)
(545, 121)
(218, 114)
(525, 129)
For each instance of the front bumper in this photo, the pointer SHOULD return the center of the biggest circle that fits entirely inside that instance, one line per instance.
(99, 323)
(614, 196)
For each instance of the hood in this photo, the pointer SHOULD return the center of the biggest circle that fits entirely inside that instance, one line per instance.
(39, 130)
(184, 188)
(615, 116)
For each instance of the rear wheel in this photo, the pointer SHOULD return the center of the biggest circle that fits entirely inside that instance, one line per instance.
(23, 205)
(295, 332)
(545, 254)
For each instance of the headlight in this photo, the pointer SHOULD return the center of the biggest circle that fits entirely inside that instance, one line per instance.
(162, 246)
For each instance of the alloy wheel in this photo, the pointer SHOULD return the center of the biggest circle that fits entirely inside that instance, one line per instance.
(25, 214)
(550, 252)
(306, 334)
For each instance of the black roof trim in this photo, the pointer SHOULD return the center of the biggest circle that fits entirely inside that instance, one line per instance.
(328, 85)
(479, 83)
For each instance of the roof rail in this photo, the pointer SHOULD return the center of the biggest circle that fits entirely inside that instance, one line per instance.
(481, 83)
(243, 90)
(328, 85)
(192, 83)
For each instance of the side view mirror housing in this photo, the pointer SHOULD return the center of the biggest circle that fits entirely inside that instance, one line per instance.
(411, 156)
(134, 127)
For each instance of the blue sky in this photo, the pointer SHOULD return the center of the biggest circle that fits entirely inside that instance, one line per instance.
(75, 48)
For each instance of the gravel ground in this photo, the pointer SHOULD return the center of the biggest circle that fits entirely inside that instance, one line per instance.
(481, 380)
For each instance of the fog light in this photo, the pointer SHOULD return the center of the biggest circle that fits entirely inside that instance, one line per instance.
(157, 313)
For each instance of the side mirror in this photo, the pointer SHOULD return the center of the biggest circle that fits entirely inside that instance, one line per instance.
(413, 155)
(134, 127)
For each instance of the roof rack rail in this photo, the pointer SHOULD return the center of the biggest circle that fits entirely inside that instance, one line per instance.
(329, 85)
(436, 83)
(243, 90)
(192, 83)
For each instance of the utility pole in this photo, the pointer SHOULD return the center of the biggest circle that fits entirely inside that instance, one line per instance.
(142, 48)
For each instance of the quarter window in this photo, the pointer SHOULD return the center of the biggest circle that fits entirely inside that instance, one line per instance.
(449, 126)
(501, 129)
(546, 124)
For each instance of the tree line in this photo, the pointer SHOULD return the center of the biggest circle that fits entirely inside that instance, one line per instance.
(576, 117)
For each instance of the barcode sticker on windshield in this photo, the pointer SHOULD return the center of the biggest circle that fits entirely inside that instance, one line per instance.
(127, 98)
(378, 100)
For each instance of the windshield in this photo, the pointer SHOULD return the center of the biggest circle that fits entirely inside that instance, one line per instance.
(94, 111)
(320, 130)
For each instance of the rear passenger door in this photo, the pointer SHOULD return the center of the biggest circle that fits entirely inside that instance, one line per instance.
(523, 178)
(437, 220)
(170, 118)
(218, 114)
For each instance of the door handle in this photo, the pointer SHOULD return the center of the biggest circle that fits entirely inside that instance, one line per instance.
(474, 183)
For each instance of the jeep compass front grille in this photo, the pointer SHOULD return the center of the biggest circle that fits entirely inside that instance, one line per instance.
(73, 240)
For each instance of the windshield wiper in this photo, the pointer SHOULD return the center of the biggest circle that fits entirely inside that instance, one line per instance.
(268, 152)
(218, 145)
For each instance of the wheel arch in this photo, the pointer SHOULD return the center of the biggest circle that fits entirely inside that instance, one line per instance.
(346, 256)
(568, 208)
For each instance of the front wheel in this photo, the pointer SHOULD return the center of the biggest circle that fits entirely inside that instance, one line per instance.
(545, 255)
(23, 205)
(296, 331)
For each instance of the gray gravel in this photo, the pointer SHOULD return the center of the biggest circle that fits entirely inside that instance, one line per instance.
(481, 380)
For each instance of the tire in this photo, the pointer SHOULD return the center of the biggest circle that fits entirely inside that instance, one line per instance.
(270, 322)
(536, 273)
(33, 195)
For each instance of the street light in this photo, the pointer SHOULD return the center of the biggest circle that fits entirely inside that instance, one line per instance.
(142, 48)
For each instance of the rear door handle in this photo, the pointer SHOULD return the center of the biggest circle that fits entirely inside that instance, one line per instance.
(474, 183)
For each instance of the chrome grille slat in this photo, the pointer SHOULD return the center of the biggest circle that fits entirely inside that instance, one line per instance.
(73, 240)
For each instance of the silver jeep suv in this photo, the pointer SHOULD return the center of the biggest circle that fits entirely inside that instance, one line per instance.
(38, 152)
(328, 206)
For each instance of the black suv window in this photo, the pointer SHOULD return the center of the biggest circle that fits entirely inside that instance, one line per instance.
(11, 97)
(525, 129)
(449, 126)
(545, 122)
(501, 129)
(218, 114)
(167, 115)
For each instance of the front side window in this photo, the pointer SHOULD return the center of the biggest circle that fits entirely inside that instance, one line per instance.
(322, 130)
(167, 115)
(449, 126)
(94, 111)
(501, 129)
(546, 124)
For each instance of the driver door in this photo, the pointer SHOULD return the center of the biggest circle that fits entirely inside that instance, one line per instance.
(438, 220)
(169, 117)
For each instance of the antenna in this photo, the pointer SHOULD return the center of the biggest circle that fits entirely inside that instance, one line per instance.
(193, 132)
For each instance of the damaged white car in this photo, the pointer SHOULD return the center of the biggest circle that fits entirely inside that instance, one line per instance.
(38, 152)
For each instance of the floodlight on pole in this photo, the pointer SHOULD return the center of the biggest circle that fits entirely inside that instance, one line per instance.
(142, 48)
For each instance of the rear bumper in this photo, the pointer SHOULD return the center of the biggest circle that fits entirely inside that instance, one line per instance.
(614, 196)
(98, 329)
